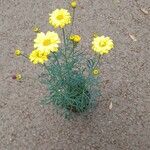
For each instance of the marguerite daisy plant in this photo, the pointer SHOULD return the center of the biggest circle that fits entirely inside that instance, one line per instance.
(72, 78)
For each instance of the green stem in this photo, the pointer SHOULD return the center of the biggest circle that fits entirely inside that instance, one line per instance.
(25, 56)
(64, 38)
(58, 64)
(73, 15)
(98, 62)
(73, 48)
(57, 60)
(46, 68)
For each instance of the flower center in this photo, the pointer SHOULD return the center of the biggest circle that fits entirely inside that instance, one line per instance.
(46, 42)
(102, 43)
(95, 72)
(60, 17)
(38, 55)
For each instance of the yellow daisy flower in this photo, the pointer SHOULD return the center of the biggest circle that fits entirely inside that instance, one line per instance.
(75, 38)
(18, 52)
(60, 18)
(47, 42)
(102, 45)
(73, 4)
(38, 56)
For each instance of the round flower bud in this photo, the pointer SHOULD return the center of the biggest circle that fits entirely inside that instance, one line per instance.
(18, 52)
(73, 4)
(75, 38)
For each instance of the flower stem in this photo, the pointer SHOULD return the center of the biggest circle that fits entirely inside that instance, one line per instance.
(64, 37)
(73, 15)
(57, 60)
(55, 56)
(46, 68)
(98, 62)
(65, 45)
(25, 56)
(73, 48)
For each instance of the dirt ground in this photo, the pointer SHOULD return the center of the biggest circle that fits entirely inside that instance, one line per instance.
(26, 125)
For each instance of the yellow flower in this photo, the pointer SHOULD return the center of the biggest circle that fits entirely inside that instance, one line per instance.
(60, 18)
(18, 76)
(96, 72)
(102, 45)
(36, 29)
(47, 42)
(74, 4)
(18, 52)
(75, 38)
(38, 56)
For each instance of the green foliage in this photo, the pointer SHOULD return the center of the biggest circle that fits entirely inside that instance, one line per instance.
(70, 81)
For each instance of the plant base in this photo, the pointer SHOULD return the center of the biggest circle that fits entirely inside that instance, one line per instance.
(80, 105)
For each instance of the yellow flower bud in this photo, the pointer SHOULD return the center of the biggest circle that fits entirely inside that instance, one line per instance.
(96, 72)
(36, 29)
(71, 37)
(75, 38)
(18, 76)
(18, 52)
(95, 35)
(74, 4)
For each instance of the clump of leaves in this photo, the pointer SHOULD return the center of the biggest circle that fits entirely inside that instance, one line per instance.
(70, 81)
